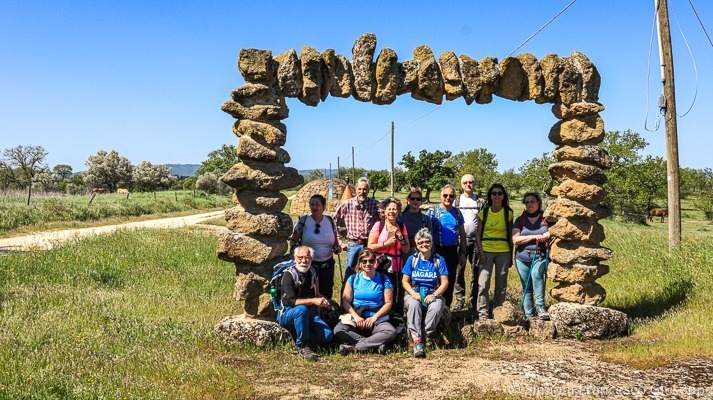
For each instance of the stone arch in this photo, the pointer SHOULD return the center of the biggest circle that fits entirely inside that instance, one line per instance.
(570, 84)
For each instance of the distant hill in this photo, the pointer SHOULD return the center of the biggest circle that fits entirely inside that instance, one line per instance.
(183, 169)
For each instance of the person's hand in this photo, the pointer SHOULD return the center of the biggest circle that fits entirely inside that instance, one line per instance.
(321, 302)
(344, 246)
(390, 241)
(430, 298)
(482, 258)
(416, 296)
(369, 322)
(359, 321)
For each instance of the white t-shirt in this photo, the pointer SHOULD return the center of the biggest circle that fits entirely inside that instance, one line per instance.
(321, 242)
(468, 206)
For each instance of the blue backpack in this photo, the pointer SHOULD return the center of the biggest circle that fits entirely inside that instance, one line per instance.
(278, 271)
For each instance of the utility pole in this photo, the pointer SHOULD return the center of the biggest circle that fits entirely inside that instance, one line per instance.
(392, 159)
(338, 176)
(669, 107)
(353, 170)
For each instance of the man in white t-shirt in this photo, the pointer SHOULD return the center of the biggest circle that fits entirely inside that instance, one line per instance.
(469, 206)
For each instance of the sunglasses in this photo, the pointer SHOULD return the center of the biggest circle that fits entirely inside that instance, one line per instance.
(415, 198)
(449, 196)
(367, 260)
(468, 182)
(316, 229)
(422, 242)
(497, 193)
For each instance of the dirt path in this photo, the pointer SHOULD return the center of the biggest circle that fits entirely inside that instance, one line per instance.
(46, 240)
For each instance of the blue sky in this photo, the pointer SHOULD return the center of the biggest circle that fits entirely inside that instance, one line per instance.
(147, 78)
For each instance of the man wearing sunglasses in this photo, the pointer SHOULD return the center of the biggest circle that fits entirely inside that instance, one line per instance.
(413, 218)
(469, 205)
(449, 236)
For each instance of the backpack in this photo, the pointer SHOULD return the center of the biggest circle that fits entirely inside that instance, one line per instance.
(435, 214)
(301, 227)
(508, 226)
(278, 271)
(417, 256)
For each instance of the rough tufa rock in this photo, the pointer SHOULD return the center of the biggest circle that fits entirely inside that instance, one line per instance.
(513, 79)
(261, 201)
(514, 331)
(591, 80)
(255, 94)
(249, 149)
(582, 230)
(577, 321)
(534, 83)
(339, 75)
(551, 68)
(578, 130)
(247, 331)
(240, 248)
(257, 65)
(584, 153)
(257, 112)
(570, 82)
(289, 74)
(508, 314)
(576, 273)
(567, 252)
(564, 170)
(581, 109)
(430, 80)
(489, 78)
(488, 328)
(407, 77)
(266, 224)
(312, 76)
(267, 133)
(586, 192)
(251, 288)
(329, 66)
(582, 293)
(387, 71)
(470, 73)
(542, 330)
(467, 334)
(452, 80)
(565, 208)
(363, 67)
(260, 175)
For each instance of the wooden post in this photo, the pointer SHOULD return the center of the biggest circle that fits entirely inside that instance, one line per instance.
(338, 175)
(29, 193)
(154, 195)
(353, 170)
(175, 193)
(672, 166)
(92, 199)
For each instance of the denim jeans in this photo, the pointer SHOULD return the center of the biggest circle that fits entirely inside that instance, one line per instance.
(535, 271)
(304, 321)
(353, 249)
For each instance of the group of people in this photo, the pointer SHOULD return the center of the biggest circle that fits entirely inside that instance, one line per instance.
(403, 260)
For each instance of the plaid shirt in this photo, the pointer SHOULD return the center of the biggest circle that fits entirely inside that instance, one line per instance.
(357, 217)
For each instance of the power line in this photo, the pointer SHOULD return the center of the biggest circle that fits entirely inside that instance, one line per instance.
(648, 80)
(701, 22)
(543, 27)
(695, 68)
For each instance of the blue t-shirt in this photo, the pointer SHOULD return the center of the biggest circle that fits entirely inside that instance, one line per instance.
(426, 273)
(445, 225)
(369, 292)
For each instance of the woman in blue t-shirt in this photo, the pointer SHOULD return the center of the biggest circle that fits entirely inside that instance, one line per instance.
(425, 278)
(367, 300)
(531, 254)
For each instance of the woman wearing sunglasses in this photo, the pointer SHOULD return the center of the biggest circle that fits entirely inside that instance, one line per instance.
(425, 278)
(494, 242)
(319, 232)
(367, 300)
(413, 218)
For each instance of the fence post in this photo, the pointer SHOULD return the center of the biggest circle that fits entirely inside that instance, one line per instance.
(176, 194)
(92, 199)
(29, 193)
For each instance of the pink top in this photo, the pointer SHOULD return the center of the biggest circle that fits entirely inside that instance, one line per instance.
(395, 249)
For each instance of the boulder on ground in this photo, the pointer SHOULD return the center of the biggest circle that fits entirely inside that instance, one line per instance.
(584, 321)
(508, 314)
(488, 328)
(514, 331)
(248, 331)
(542, 330)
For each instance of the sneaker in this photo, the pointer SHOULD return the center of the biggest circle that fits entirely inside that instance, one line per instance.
(345, 349)
(307, 353)
(457, 307)
(419, 350)
(381, 349)
(542, 313)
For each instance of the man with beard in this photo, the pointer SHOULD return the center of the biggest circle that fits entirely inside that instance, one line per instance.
(469, 205)
(300, 299)
(358, 215)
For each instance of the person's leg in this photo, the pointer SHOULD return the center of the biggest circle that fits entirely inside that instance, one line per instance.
(539, 269)
(320, 331)
(484, 286)
(325, 274)
(347, 333)
(434, 314)
(381, 334)
(523, 270)
(502, 264)
(473, 259)
(414, 315)
(459, 287)
(397, 305)
(450, 255)
(353, 249)
(297, 319)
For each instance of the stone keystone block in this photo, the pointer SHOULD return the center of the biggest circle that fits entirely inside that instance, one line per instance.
(534, 83)
(582, 293)
(513, 79)
(578, 130)
(576, 273)
(576, 320)
(260, 175)
(430, 80)
(586, 192)
(265, 224)
(240, 248)
(363, 67)
(257, 65)
(268, 133)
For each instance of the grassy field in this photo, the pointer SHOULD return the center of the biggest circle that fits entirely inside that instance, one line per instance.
(60, 211)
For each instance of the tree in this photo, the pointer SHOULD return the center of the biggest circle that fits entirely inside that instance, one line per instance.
(219, 161)
(314, 174)
(148, 177)
(63, 171)
(20, 165)
(378, 180)
(399, 179)
(107, 170)
(535, 174)
(428, 171)
(511, 180)
(347, 173)
(210, 183)
(479, 162)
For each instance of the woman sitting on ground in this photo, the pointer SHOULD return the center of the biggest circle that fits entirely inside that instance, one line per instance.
(425, 278)
(367, 300)
(531, 254)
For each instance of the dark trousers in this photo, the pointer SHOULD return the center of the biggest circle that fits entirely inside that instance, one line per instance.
(325, 275)
(397, 303)
(471, 257)
(450, 254)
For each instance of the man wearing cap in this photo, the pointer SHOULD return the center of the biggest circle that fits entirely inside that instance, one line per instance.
(413, 218)
(469, 206)
(358, 215)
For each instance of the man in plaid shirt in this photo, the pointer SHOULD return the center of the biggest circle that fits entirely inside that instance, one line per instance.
(358, 215)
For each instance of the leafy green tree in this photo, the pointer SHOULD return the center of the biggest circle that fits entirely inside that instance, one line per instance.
(511, 180)
(314, 175)
(534, 174)
(379, 181)
(148, 177)
(399, 179)
(480, 163)
(63, 171)
(220, 160)
(107, 170)
(20, 165)
(210, 182)
(428, 171)
(347, 172)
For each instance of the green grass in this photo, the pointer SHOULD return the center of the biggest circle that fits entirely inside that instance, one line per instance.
(48, 211)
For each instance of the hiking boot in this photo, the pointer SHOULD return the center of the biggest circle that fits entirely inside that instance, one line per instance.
(381, 349)
(419, 350)
(458, 306)
(542, 313)
(345, 349)
(307, 353)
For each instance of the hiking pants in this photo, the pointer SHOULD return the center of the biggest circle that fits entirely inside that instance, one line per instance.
(305, 322)
(398, 292)
(471, 257)
(414, 316)
(325, 275)
(501, 262)
(536, 285)
(365, 339)
(450, 254)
